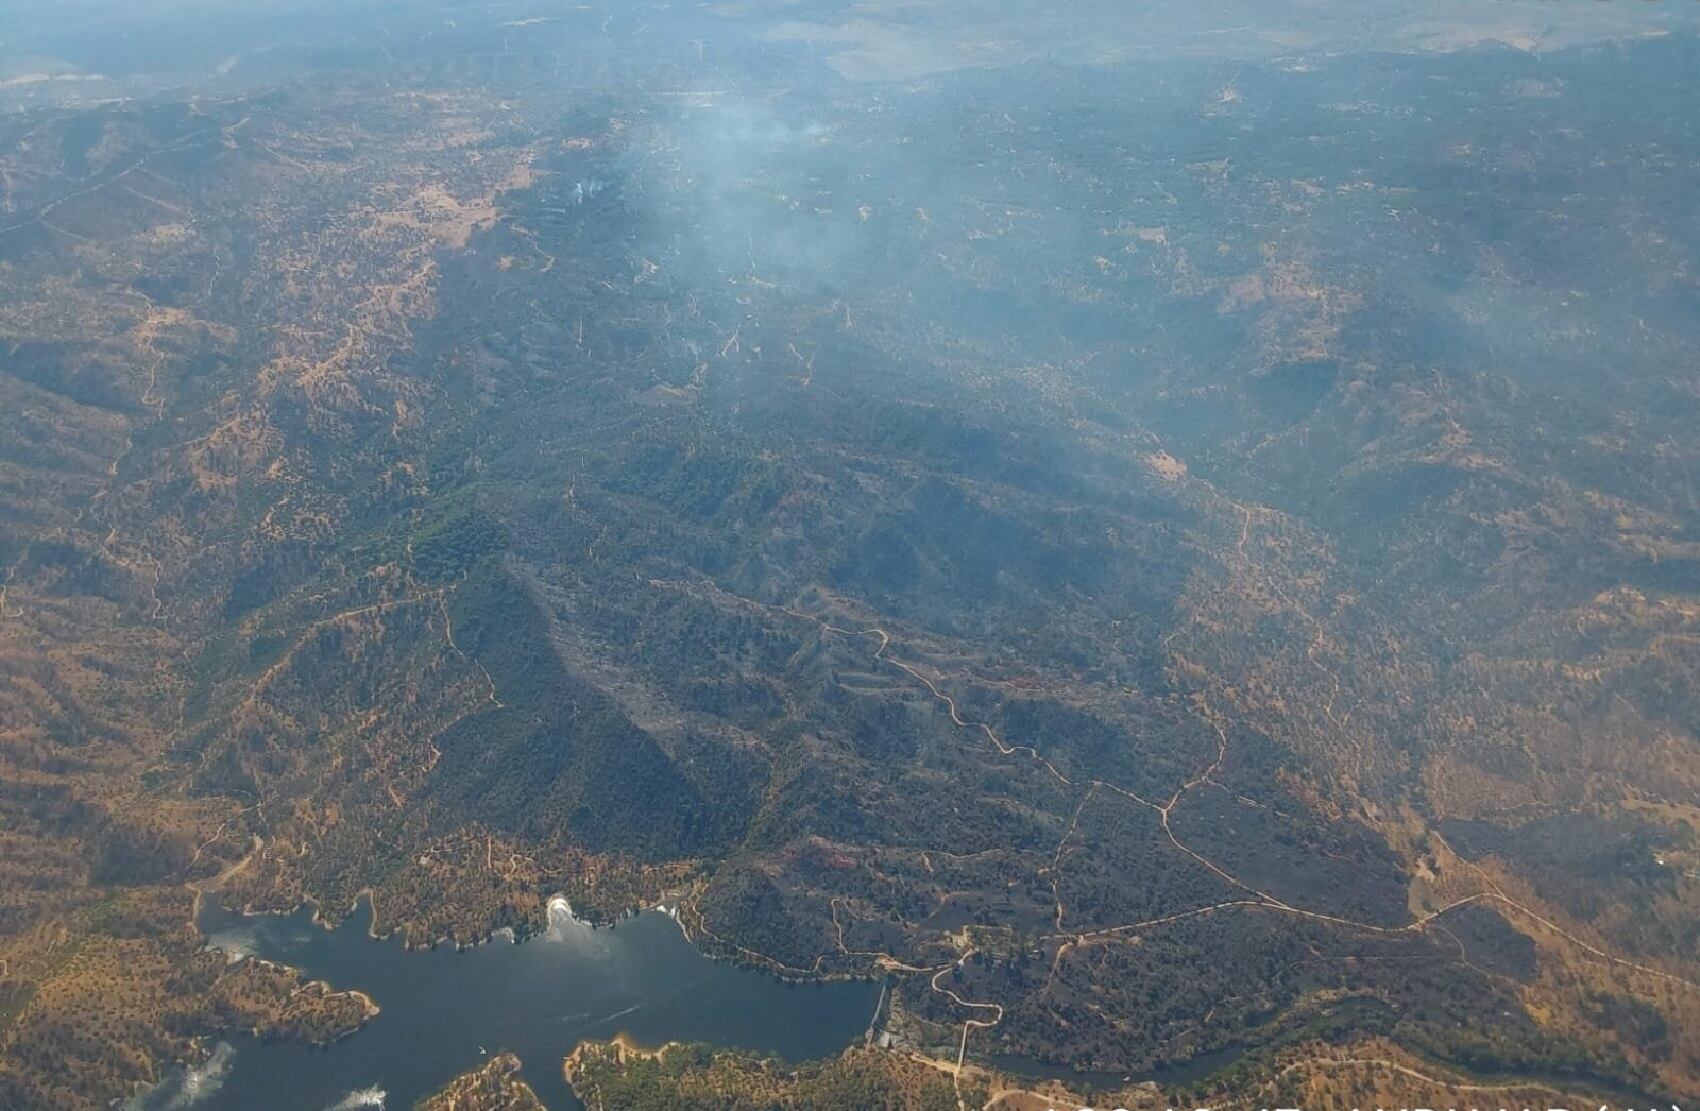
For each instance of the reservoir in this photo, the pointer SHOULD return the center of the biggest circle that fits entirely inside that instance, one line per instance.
(442, 1010)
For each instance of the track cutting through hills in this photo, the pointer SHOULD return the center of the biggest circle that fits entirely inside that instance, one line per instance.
(1259, 899)
(1256, 899)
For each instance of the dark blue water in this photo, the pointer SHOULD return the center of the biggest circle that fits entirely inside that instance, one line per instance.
(441, 1010)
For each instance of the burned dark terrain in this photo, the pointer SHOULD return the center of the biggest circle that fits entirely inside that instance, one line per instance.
(1163, 560)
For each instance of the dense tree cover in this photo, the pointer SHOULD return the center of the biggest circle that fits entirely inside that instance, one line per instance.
(558, 753)
(1591, 863)
(1494, 944)
(1265, 983)
(693, 1078)
(450, 546)
(1276, 844)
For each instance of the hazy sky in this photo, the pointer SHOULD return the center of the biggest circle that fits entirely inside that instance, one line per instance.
(91, 48)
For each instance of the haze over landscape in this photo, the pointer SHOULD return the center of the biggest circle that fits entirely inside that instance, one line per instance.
(916, 554)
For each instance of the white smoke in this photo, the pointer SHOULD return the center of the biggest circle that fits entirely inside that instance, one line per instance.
(564, 925)
(235, 944)
(372, 1097)
(755, 196)
(188, 1087)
